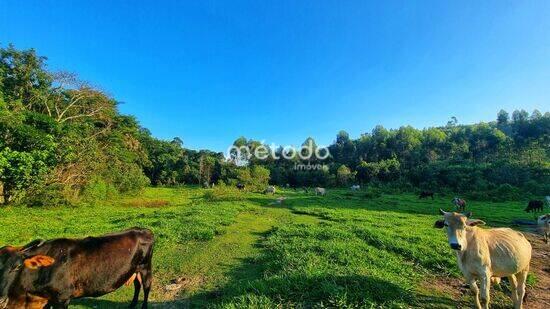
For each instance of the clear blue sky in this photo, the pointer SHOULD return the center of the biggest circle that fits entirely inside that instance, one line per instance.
(281, 71)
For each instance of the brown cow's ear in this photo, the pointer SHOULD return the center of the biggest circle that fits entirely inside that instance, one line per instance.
(475, 222)
(38, 261)
(10, 249)
(439, 224)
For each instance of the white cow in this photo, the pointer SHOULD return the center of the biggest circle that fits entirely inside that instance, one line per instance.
(355, 188)
(278, 201)
(320, 191)
(543, 226)
(486, 253)
(270, 189)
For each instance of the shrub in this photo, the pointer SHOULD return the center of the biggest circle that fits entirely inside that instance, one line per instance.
(98, 189)
(222, 192)
(373, 192)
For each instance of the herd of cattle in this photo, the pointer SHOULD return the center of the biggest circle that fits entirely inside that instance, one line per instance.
(45, 274)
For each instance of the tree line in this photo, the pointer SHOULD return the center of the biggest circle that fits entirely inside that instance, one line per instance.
(63, 140)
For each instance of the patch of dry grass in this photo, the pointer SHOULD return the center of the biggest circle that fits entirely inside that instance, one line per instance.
(146, 203)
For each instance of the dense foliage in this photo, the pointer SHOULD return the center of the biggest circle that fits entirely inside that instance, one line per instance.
(497, 158)
(59, 135)
(62, 140)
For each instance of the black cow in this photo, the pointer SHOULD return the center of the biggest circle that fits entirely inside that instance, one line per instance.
(56, 271)
(534, 206)
(240, 186)
(426, 194)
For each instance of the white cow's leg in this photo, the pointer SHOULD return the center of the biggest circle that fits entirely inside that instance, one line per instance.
(522, 279)
(475, 290)
(485, 288)
(514, 289)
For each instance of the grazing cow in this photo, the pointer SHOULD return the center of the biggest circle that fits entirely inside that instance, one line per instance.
(320, 191)
(270, 189)
(459, 203)
(240, 186)
(543, 225)
(56, 271)
(486, 253)
(534, 206)
(355, 188)
(278, 201)
(426, 194)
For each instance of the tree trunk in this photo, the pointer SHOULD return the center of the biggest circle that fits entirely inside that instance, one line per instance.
(2, 200)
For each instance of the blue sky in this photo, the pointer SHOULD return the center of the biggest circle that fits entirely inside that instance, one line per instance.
(280, 71)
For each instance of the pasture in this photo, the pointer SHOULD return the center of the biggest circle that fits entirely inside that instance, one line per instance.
(230, 249)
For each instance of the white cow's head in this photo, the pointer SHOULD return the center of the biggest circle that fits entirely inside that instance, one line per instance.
(456, 225)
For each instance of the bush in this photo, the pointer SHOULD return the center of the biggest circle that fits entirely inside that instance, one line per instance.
(98, 189)
(502, 193)
(52, 195)
(222, 192)
(373, 192)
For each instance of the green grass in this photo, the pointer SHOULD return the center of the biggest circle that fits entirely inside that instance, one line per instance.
(234, 249)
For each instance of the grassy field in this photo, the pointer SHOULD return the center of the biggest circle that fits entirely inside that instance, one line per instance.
(229, 249)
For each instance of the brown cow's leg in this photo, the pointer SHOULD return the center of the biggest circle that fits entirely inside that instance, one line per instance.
(137, 288)
(147, 277)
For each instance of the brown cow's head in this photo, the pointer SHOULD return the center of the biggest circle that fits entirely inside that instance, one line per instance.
(456, 225)
(14, 260)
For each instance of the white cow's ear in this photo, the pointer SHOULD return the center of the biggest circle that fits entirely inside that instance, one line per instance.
(442, 212)
(475, 222)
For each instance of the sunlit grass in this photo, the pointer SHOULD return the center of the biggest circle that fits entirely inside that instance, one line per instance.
(239, 249)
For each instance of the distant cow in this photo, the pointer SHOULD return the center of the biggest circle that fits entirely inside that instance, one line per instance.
(486, 253)
(240, 186)
(534, 206)
(355, 187)
(56, 271)
(426, 194)
(278, 201)
(459, 203)
(543, 226)
(269, 189)
(320, 191)
(547, 198)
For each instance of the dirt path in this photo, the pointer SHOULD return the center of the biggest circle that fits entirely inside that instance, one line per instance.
(539, 295)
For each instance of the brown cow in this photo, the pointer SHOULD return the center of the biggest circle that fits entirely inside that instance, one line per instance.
(59, 270)
(426, 194)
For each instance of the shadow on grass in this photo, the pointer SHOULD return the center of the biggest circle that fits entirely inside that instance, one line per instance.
(108, 304)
